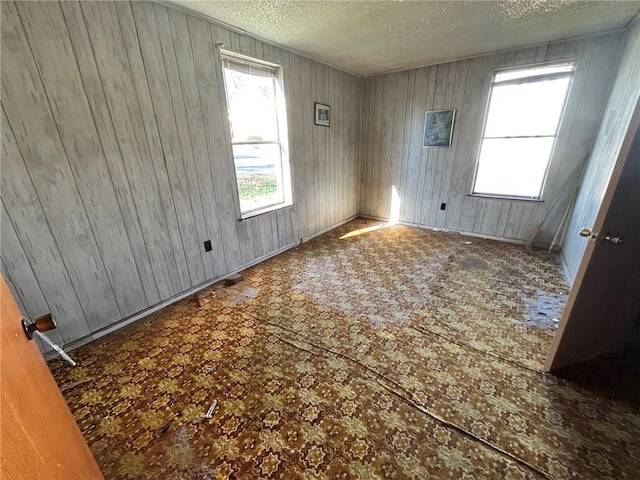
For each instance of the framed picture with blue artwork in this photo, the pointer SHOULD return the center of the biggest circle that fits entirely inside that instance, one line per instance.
(438, 128)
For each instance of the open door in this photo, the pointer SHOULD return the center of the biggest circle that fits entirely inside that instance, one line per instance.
(605, 298)
(38, 435)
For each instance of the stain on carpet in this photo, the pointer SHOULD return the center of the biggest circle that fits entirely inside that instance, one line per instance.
(544, 310)
(471, 263)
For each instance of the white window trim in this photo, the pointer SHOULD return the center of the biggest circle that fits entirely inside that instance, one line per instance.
(283, 140)
(494, 72)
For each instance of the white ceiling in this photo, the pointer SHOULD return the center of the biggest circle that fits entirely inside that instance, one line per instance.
(369, 37)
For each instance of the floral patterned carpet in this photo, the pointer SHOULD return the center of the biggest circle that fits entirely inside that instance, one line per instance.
(368, 352)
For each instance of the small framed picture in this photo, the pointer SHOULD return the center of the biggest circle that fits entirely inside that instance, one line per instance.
(438, 128)
(322, 114)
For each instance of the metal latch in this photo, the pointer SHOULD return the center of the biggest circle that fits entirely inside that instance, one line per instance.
(587, 232)
(593, 237)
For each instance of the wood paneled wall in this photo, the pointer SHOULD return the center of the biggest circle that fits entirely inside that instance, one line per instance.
(116, 158)
(392, 156)
(618, 112)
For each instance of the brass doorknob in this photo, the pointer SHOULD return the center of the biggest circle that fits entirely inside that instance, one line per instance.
(614, 240)
(593, 236)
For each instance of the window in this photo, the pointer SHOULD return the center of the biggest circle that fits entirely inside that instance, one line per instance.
(523, 117)
(258, 133)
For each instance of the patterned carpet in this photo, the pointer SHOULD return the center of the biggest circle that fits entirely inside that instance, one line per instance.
(365, 353)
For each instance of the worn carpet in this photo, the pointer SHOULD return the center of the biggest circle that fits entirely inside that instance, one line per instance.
(368, 352)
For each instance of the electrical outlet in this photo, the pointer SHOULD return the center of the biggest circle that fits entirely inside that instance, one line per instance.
(207, 246)
(443, 206)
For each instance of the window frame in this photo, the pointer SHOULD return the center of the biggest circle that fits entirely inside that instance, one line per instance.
(573, 62)
(282, 142)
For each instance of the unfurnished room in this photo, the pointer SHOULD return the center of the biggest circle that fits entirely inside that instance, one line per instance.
(320, 240)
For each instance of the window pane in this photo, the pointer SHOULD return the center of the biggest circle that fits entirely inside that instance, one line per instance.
(513, 167)
(252, 107)
(534, 71)
(259, 176)
(247, 66)
(526, 109)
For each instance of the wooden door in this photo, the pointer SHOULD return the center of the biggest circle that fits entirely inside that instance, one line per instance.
(605, 298)
(39, 438)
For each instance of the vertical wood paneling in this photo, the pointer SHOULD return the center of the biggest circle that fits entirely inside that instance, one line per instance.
(161, 153)
(24, 215)
(364, 141)
(117, 161)
(616, 117)
(441, 100)
(476, 98)
(308, 155)
(324, 142)
(372, 183)
(204, 56)
(195, 125)
(351, 145)
(107, 45)
(409, 196)
(401, 171)
(48, 36)
(110, 147)
(580, 138)
(291, 81)
(316, 133)
(425, 165)
(431, 176)
(188, 163)
(28, 111)
(445, 98)
(459, 90)
(18, 271)
(333, 173)
(166, 114)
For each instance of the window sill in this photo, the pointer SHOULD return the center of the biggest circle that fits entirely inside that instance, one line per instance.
(272, 208)
(506, 197)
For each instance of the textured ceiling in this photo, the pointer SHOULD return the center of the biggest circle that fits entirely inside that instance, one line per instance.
(368, 37)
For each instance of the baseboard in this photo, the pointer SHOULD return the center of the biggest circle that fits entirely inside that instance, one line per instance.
(325, 230)
(50, 355)
(448, 230)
